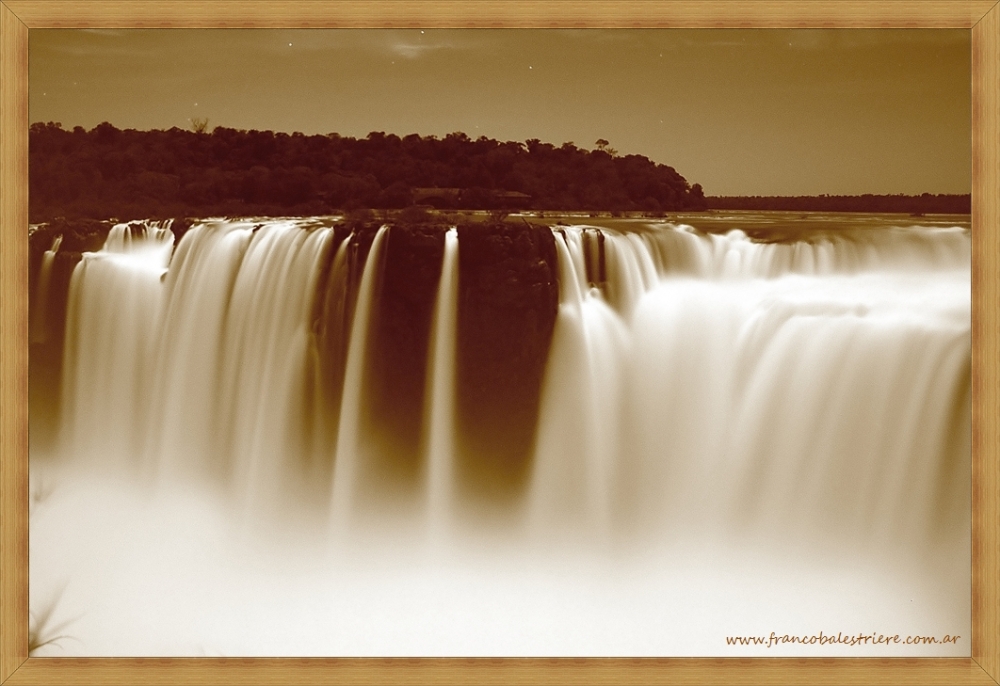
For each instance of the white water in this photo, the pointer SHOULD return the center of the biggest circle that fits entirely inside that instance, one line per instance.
(349, 441)
(39, 323)
(580, 427)
(734, 437)
(113, 313)
(440, 423)
(266, 343)
(820, 398)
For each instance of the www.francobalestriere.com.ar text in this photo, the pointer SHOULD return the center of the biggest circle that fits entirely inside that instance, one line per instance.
(838, 639)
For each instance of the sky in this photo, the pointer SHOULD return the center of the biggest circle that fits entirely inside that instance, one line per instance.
(740, 111)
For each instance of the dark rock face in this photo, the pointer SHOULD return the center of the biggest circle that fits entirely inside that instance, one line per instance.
(45, 355)
(78, 237)
(179, 227)
(399, 342)
(508, 299)
(333, 312)
(81, 235)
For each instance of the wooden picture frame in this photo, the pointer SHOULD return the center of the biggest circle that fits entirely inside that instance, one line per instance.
(18, 17)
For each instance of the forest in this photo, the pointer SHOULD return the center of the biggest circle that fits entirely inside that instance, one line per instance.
(108, 172)
(910, 204)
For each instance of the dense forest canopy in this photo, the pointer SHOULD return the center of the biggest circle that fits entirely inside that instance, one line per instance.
(913, 204)
(128, 174)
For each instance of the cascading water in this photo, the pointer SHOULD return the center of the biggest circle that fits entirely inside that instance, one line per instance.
(698, 387)
(349, 443)
(114, 309)
(266, 343)
(739, 381)
(39, 323)
(440, 413)
(579, 431)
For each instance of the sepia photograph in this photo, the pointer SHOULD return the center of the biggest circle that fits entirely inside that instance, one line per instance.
(500, 342)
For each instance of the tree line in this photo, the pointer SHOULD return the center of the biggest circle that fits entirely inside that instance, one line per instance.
(910, 204)
(128, 174)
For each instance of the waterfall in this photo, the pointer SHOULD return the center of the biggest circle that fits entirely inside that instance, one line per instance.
(325, 365)
(350, 446)
(39, 318)
(187, 429)
(266, 343)
(113, 312)
(440, 416)
(623, 440)
(713, 383)
(580, 414)
(694, 381)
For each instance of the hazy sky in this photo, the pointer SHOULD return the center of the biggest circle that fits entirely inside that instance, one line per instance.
(749, 112)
